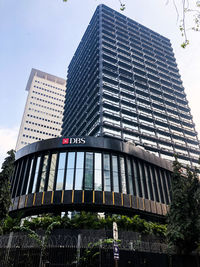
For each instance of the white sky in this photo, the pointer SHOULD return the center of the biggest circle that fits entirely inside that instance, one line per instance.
(44, 34)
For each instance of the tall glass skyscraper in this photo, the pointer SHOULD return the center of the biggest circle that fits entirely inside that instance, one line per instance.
(123, 81)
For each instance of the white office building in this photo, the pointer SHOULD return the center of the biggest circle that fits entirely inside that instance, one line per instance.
(43, 113)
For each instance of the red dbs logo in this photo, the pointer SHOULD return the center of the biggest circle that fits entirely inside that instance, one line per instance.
(65, 141)
(73, 140)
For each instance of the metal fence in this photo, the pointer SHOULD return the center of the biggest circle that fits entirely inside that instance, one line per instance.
(68, 248)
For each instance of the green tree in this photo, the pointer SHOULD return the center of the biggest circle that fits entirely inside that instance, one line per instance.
(5, 174)
(183, 230)
(42, 242)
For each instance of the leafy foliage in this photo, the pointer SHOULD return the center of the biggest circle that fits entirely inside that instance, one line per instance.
(91, 254)
(41, 242)
(87, 220)
(183, 230)
(186, 12)
(5, 174)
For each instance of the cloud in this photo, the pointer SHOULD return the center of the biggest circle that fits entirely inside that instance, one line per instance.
(8, 139)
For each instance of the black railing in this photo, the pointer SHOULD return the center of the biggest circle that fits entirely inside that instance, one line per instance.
(69, 247)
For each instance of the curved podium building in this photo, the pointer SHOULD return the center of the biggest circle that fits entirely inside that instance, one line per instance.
(90, 173)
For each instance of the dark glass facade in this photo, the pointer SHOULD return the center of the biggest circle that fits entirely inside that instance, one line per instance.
(103, 168)
(123, 81)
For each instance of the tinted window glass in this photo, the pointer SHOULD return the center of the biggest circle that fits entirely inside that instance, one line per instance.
(89, 171)
(98, 172)
(79, 171)
(70, 171)
(61, 171)
(106, 163)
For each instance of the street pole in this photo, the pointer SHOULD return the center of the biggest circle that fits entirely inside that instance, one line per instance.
(115, 244)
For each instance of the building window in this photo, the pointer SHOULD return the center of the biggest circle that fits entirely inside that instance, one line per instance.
(98, 172)
(143, 180)
(29, 177)
(106, 163)
(89, 171)
(123, 176)
(79, 171)
(136, 176)
(36, 174)
(70, 171)
(130, 177)
(44, 172)
(115, 174)
(61, 171)
(52, 172)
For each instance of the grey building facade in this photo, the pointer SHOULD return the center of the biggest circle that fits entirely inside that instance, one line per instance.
(123, 81)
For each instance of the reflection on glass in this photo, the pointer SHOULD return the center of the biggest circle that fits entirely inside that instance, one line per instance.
(154, 184)
(29, 176)
(137, 179)
(24, 175)
(142, 179)
(130, 177)
(167, 187)
(61, 171)
(97, 172)
(43, 174)
(79, 171)
(115, 174)
(52, 172)
(36, 175)
(165, 190)
(19, 182)
(70, 171)
(123, 177)
(160, 185)
(106, 165)
(148, 181)
(89, 171)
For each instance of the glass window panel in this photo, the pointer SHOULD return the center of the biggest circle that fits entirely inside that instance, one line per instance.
(79, 171)
(52, 172)
(20, 176)
(36, 175)
(60, 179)
(130, 177)
(29, 176)
(155, 184)
(106, 163)
(61, 171)
(137, 179)
(98, 172)
(149, 182)
(165, 189)
(71, 160)
(43, 174)
(115, 174)
(79, 160)
(14, 177)
(62, 158)
(70, 171)
(153, 197)
(168, 181)
(23, 178)
(89, 171)
(143, 180)
(123, 177)
(162, 196)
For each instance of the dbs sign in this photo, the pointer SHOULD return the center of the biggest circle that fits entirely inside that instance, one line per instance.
(68, 141)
